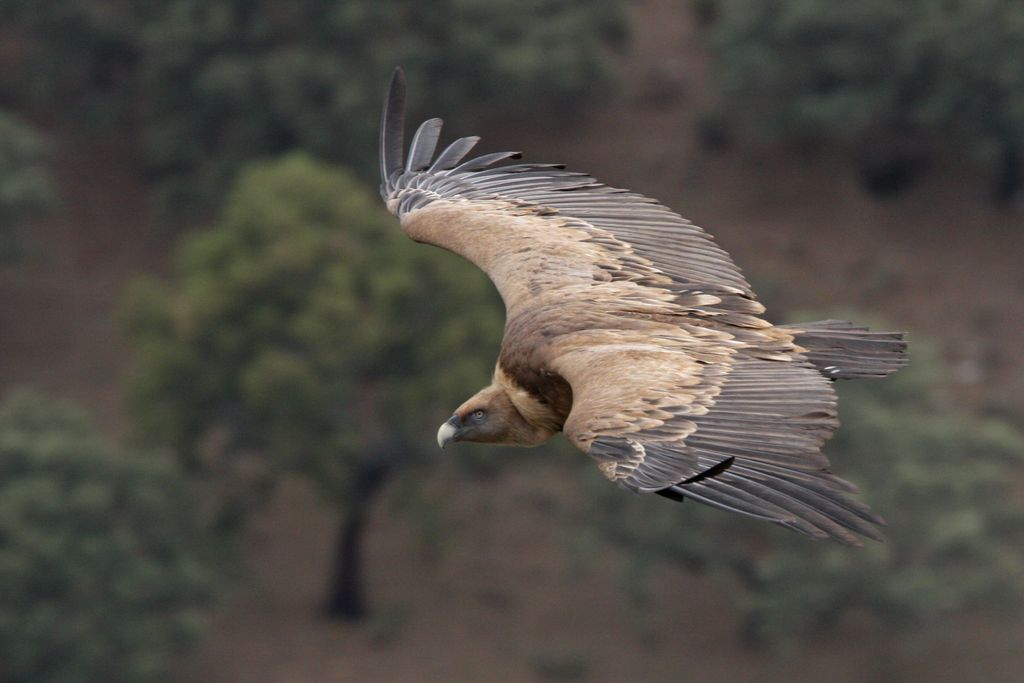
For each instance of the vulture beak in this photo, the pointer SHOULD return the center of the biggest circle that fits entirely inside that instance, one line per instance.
(446, 434)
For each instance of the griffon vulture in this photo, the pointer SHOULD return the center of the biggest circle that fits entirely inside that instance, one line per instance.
(631, 331)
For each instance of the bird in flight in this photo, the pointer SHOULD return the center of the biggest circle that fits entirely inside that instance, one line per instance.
(629, 330)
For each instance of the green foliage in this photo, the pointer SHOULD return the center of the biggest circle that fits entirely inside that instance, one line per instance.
(815, 66)
(77, 54)
(101, 572)
(875, 70)
(221, 82)
(944, 480)
(25, 189)
(305, 332)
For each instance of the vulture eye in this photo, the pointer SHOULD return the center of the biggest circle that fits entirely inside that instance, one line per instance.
(478, 415)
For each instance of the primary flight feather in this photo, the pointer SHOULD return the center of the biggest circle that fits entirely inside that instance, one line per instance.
(631, 331)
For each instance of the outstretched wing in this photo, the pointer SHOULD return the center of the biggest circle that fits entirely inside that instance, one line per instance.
(678, 386)
(534, 227)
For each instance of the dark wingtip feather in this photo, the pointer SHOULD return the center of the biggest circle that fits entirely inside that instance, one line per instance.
(391, 126)
(454, 153)
(423, 145)
(481, 162)
(710, 472)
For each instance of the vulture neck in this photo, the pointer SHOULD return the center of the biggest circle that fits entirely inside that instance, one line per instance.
(544, 421)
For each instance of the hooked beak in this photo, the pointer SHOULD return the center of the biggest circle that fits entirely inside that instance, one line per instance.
(446, 434)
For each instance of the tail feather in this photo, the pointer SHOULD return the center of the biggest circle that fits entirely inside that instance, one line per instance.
(842, 350)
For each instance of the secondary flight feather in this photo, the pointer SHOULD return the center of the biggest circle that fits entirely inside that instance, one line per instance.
(629, 330)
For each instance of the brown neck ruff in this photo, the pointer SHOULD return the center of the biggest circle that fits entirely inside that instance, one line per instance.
(536, 410)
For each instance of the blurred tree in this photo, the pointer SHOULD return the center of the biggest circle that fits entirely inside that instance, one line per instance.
(305, 333)
(25, 189)
(888, 77)
(78, 56)
(945, 480)
(217, 82)
(102, 573)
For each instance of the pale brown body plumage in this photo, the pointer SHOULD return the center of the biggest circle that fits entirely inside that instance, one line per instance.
(630, 331)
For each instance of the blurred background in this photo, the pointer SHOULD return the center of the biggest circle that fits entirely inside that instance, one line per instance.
(222, 365)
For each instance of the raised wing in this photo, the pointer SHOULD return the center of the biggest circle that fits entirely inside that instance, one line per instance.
(577, 230)
(734, 431)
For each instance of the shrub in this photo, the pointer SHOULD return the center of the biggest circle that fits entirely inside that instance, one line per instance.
(102, 571)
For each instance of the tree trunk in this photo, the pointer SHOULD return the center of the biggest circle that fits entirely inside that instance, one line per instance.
(346, 597)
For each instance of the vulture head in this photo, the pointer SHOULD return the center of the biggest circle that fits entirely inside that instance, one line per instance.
(490, 416)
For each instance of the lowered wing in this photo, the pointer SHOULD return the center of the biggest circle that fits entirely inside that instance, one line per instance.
(737, 432)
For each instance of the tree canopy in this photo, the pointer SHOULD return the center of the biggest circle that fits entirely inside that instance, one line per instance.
(103, 571)
(305, 326)
(890, 73)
